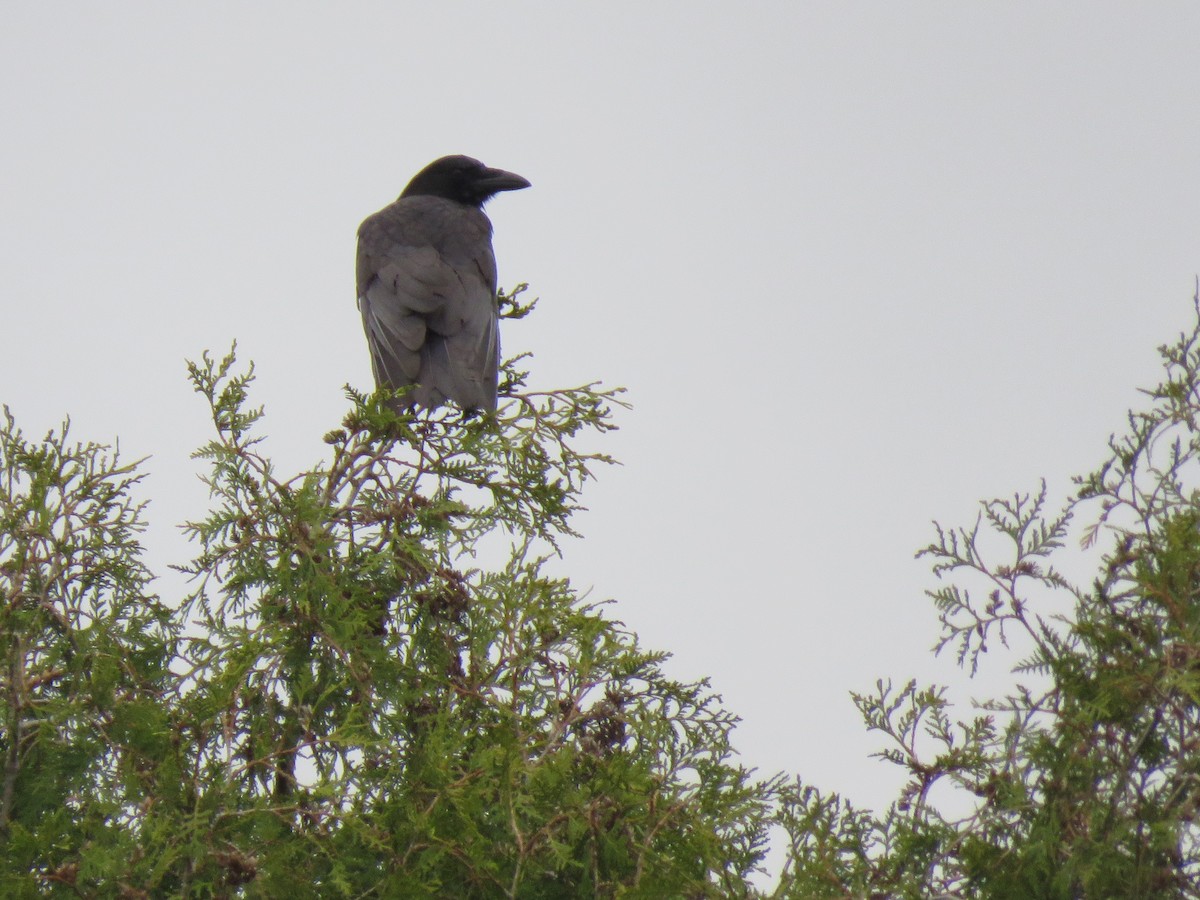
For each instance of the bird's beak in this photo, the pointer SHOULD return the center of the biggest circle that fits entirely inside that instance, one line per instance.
(496, 180)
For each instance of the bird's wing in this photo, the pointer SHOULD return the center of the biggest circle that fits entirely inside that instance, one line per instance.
(428, 306)
(461, 355)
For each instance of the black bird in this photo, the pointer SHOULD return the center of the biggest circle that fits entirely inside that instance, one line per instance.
(427, 286)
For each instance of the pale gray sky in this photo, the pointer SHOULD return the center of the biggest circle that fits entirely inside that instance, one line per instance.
(858, 265)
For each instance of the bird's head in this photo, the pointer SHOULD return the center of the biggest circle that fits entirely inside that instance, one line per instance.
(463, 180)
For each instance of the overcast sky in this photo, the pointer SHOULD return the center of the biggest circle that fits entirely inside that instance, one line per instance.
(859, 266)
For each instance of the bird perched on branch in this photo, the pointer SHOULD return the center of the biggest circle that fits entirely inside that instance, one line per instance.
(427, 286)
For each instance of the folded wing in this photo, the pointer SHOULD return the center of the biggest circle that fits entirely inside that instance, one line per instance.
(427, 294)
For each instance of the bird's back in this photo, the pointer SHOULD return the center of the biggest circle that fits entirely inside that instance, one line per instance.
(427, 292)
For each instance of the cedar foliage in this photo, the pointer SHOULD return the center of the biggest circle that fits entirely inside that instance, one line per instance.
(1084, 776)
(348, 704)
(377, 689)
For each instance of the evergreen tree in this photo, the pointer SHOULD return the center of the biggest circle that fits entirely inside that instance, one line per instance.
(376, 688)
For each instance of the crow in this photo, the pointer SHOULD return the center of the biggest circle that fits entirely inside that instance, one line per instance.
(427, 286)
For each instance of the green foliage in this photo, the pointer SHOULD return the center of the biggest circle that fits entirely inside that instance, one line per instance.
(86, 649)
(1084, 779)
(377, 687)
(355, 704)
